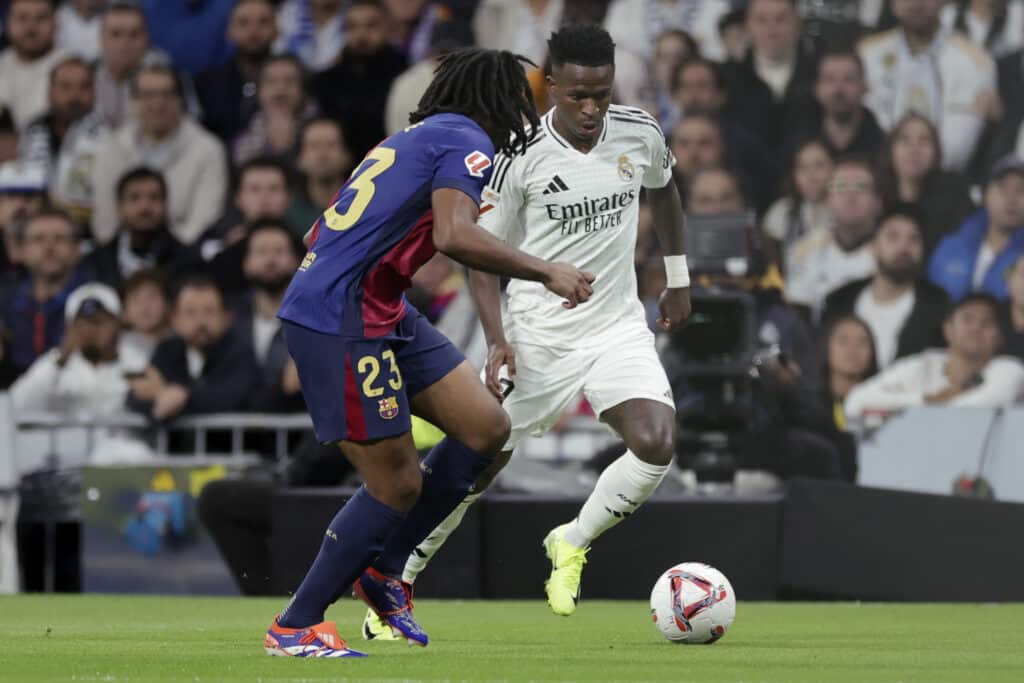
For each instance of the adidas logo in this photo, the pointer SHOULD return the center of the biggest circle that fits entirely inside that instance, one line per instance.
(556, 185)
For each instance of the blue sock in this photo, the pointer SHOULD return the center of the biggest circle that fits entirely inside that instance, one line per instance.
(449, 472)
(353, 540)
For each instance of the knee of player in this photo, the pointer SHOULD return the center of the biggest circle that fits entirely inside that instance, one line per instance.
(655, 445)
(406, 487)
(492, 434)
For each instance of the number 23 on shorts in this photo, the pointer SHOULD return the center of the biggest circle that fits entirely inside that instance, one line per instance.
(369, 368)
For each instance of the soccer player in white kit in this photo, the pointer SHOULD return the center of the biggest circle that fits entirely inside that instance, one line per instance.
(573, 196)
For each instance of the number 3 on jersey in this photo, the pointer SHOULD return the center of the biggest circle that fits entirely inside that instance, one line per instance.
(362, 183)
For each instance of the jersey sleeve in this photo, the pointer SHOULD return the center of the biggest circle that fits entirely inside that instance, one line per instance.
(502, 199)
(662, 161)
(463, 160)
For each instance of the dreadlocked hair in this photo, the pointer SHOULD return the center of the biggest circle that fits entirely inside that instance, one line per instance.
(488, 86)
(582, 44)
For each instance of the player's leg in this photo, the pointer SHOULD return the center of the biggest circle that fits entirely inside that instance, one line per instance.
(630, 392)
(341, 389)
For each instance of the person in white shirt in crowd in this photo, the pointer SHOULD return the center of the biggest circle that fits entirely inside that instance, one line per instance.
(994, 25)
(804, 208)
(522, 26)
(968, 373)
(904, 311)
(83, 377)
(925, 68)
(147, 319)
(823, 260)
(124, 46)
(636, 24)
(167, 139)
(25, 65)
(312, 31)
(78, 27)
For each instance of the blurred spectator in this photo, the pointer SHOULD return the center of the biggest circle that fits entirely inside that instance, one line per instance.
(996, 26)
(22, 195)
(827, 259)
(271, 257)
(124, 46)
(732, 32)
(1006, 138)
(773, 87)
(143, 240)
(924, 68)
(968, 373)
(714, 190)
(911, 173)
(832, 22)
(84, 375)
(312, 31)
(324, 162)
(283, 108)
(522, 26)
(70, 99)
(1012, 313)
(849, 352)
(25, 65)
(355, 90)
(33, 307)
(8, 135)
(673, 49)
(206, 367)
(147, 314)
(227, 92)
(843, 122)
(192, 32)
(78, 27)
(169, 140)
(263, 192)
(412, 22)
(697, 143)
(977, 256)
(636, 24)
(904, 311)
(409, 87)
(698, 89)
(804, 208)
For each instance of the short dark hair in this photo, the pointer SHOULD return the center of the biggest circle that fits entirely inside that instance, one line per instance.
(70, 59)
(138, 174)
(272, 225)
(712, 67)
(264, 163)
(983, 298)
(841, 53)
(730, 19)
(321, 120)
(906, 211)
(6, 120)
(285, 59)
(583, 44)
(126, 7)
(49, 212)
(862, 162)
(196, 281)
(750, 4)
(160, 68)
(52, 3)
(141, 278)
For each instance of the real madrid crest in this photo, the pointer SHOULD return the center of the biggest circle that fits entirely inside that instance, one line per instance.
(626, 169)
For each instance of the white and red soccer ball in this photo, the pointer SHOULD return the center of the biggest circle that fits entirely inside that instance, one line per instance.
(693, 603)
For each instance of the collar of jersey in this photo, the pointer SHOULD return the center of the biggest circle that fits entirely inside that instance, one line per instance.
(549, 126)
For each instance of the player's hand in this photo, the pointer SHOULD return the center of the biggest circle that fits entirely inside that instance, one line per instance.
(499, 354)
(674, 306)
(569, 282)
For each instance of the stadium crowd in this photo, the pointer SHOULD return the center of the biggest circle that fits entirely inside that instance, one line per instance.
(160, 160)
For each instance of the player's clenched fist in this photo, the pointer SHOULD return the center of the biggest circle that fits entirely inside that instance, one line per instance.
(674, 306)
(569, 282)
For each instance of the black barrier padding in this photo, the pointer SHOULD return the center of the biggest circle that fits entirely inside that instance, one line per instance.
(845, 541)
(301, 515)
(739, 536)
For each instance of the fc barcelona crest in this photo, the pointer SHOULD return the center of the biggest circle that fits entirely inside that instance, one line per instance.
(388, 407)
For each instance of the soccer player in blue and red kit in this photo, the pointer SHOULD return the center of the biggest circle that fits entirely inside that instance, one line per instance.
(367, 360)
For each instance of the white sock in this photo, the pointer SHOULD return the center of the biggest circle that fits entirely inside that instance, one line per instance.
(422, 554)
(621, 489)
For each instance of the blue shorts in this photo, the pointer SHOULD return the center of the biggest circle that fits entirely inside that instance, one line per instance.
(357, 388)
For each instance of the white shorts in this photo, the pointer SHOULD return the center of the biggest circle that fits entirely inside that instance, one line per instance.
(624, 365)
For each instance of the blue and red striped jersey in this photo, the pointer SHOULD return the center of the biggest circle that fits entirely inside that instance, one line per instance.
(379, 229)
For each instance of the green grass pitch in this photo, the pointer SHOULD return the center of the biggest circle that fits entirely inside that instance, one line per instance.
(125, 638)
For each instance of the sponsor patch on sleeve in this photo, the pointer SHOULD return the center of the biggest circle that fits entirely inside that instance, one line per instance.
(476, 163)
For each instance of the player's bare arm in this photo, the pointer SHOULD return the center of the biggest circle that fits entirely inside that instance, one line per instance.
(457, 235)
(486, 291)
(669, 225)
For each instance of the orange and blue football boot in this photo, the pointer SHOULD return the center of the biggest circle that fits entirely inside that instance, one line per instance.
(318, 640)
(391, 599)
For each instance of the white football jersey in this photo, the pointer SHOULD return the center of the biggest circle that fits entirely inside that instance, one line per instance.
(559, 204)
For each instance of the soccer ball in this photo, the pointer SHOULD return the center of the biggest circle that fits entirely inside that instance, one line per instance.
(693, 603)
